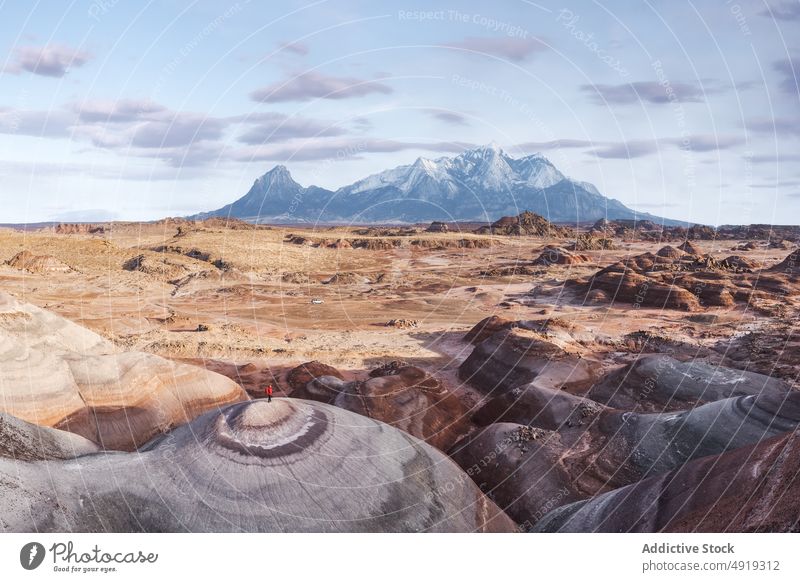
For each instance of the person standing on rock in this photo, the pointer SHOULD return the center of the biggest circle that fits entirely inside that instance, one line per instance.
(269, 393)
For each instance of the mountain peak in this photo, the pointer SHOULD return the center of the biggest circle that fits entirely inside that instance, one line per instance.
(279, 170)
(478, 184)
(493, 146)
(277, 176)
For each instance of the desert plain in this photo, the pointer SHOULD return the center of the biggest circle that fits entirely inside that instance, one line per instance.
(519, 376)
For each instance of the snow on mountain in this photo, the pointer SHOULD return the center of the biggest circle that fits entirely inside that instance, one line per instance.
(480, 184)
(487, 168)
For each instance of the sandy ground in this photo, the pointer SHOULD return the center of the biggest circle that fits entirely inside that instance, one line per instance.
(149, 287)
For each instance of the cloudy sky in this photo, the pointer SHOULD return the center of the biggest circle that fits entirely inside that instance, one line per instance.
(134, 110)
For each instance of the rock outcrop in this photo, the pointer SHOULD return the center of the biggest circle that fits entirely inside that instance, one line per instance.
(674, 279)
(409, 399)
(398, 394)
(659, 383)
(538, 407)
(529, 471)
(518, 356)
(525, 224)
(691, 248)
(298, 377)
(286, 466)
(488, 327)
(591, 242)
(555, 255)
(56, 373)
(437, 226)
(750, 489)
(42, 264)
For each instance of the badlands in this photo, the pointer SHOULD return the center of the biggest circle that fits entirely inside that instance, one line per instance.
(518, 376)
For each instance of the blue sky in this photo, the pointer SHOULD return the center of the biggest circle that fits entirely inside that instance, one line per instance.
(133, 110)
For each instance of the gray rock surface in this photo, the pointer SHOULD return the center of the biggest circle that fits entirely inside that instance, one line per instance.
(286, 466)
(659, 383)
(538, 406)
(513, 357)
(530, 471)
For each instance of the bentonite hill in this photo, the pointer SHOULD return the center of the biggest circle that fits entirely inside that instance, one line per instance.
(513, 376)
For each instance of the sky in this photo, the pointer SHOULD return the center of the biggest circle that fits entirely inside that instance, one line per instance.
(115, 109)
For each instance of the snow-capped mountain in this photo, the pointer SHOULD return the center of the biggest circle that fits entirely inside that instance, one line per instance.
(480, 184)
(487, 169)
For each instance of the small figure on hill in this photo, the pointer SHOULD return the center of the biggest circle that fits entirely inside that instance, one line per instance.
(269, 393)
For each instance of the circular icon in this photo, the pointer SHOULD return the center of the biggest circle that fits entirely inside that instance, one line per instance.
(31, 555)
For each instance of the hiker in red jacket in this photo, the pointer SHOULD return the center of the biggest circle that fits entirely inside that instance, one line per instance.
(269, 393)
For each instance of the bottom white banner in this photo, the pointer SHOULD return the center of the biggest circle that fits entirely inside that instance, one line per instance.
(397, 556)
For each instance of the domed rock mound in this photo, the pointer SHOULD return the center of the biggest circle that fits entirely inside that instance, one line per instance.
(597, 297)
(626, 286)
(285, 466)
(411, 400)
(670, 252)
(789, 266)
(487, 327)
(519, 356)
(303, 374)
(750, 489)
(659, 383)
(56, 373)
(525, 224)
(691, 248)
(590, 242)
(323, 389)
(43, 264)
(555, 255)
(739, 264)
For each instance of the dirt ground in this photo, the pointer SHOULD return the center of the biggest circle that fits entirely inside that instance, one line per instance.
(246, 301)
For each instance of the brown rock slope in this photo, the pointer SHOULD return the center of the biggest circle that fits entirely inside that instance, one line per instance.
(529, 471)
(56, 373)
(555, 255)
(525, 224)
(537, 406)
(409, 399)
(674, 279)
(27, 261)
(401, 395)
(659, 383)
(751, 489)
(516, 356)
(298, 377)
(286, 466)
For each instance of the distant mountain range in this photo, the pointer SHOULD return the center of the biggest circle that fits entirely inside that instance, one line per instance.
(479, 185)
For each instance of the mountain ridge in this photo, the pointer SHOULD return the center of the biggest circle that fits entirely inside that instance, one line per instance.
(480, 184)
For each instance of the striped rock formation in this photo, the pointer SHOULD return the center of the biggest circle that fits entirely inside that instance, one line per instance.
(659, 383)
(286, 466)
(750, 489)
(529, 470)
(56, 373)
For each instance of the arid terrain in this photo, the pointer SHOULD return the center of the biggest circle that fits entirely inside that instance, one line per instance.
(557, 368)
